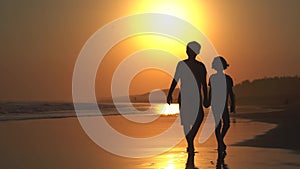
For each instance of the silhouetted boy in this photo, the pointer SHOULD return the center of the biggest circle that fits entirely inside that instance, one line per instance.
(192, 76)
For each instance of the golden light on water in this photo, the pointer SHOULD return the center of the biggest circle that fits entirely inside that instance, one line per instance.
(171, 109)
(171, 161)
(170, 166)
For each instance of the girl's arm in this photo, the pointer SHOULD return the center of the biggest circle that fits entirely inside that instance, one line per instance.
(232, 100)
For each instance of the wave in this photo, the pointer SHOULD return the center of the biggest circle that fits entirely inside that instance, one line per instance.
(45, 110)
(10, 111)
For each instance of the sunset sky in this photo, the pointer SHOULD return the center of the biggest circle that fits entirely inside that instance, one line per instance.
(41, 40)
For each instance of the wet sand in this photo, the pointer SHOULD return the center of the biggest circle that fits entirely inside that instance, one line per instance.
(62, 144)
(284, 136)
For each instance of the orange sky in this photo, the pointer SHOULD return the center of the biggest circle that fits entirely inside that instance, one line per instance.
(40, 40)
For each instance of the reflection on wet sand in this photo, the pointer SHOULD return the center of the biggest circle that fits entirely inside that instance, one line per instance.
(221, 160)
(220, 164)
(190, 163)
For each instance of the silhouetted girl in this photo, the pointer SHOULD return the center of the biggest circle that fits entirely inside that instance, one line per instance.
(221, 117)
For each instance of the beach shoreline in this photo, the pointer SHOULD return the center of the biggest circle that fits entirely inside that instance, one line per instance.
(284, 136)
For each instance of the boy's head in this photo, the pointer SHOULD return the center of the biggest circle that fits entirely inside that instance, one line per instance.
(193, 49)
(219, 63)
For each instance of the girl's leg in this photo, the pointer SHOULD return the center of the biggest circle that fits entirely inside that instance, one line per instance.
(218, 135)
(226, 125)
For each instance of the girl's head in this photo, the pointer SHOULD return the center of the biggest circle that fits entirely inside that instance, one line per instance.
(219, 63)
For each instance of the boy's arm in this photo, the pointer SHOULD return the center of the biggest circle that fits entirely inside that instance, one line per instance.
(204, 88)
(173, 85)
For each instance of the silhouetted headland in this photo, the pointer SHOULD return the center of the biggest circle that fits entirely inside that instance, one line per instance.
(271, 91)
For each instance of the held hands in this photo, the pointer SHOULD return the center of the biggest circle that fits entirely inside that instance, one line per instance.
(169, 99)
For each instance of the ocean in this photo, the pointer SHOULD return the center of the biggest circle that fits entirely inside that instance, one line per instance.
(44, 110)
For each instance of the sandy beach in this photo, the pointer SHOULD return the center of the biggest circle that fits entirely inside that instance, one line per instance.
(62, 144)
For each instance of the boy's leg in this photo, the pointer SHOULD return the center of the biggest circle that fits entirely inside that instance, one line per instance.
(190, 133)
(197, 124)
(187, 129)
(195, 128)
(188, 137)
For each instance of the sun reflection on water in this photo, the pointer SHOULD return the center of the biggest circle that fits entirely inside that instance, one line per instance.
(170, 166)
(166, 109)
